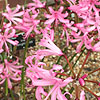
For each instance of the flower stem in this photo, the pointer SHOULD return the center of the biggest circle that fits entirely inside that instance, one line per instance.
(62, 74)
(12, 95)
(6, 87)
(90, 91)
(83, 64)
(70, 66)
(94, 71)
(77, 92)
(91, 81)
(23, 70)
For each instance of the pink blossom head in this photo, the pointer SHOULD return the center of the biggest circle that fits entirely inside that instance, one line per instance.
(81, 81)
(98, 98)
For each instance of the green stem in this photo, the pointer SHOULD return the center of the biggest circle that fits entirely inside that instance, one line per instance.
(23, 70)
(34, 97)
(25, 3)
(6, 87)
(6, 83)
(12, 95)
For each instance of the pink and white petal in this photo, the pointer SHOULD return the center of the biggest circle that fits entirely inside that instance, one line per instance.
(47, 15)
(7, 49)
(52, 35)
(64, 15)
(1, 82)
(51, 91)
(54, 94)
(10, 35)
(66, 81)
(28, 32)
(19, 14)
(9, 83)
(61, 19)
(18, 20)
(37, 31)
(78, 49)
(61, 9)
(51, 10)
(43, 82)
(12, 42)
(49, 21)
(17, 9)
(38, 92)
(1, 50)
(58, 67)
(1, 68)
(60, 96)
(15, 78)
(46, 52)
(89, 29)
(8, 9)
(31, 4)
(82, 95)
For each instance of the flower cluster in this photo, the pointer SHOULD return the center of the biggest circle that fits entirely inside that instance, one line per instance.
(78, 22)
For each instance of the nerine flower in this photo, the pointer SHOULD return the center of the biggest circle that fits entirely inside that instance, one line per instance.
(10, 71)
(83, 40)
(29, 23)
(94, 21)
(5, 37)
(41, 77)
(13, 16)
(52, 48)
(55, 16)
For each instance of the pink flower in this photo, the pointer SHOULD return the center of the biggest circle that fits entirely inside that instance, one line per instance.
(36, 4)
(29, 23)
(4, 38)
(48, 32)
(13, 16)
(53, 49)
(41, 77)
(94, 21)
(10, 71)
(55, 16)
(83, 38)
(65, 27)
(83, 8)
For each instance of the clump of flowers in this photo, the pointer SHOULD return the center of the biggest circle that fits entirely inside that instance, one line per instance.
(77, 22)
